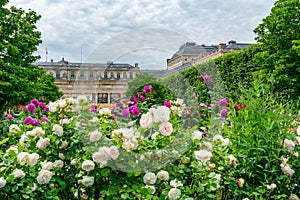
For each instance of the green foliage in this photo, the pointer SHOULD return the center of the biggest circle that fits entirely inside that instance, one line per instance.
(20, 80)
(140, 80)
(279, 37)
(257, 134)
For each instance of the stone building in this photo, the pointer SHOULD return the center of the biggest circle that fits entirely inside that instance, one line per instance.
(100, 82)
(190, 53)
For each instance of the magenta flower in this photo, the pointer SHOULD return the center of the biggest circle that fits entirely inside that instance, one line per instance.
(167, 104)
(223, 102)
(142, 98)
(223, 113)
(35, 102)
(34, 122)
(206, 78)
(31, 107)
(147, 88)
(125, 113)
(138, 93)
(28, 120)
(119, 104)
(94, 108)
(135, 100)
(9, 117)
(203, 105)
(42, 105)
(44, 119)
(134, 110)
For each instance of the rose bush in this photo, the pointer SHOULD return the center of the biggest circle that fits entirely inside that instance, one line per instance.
(145, 149)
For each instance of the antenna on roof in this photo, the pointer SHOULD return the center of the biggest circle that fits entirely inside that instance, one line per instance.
(80, 54)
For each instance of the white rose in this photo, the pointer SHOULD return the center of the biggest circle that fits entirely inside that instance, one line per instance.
(95, 119)
(149, 178)
(23, 158)
(105, 111)
(58, 163)
(2, 182)
(114, 152)
(18, 173)
(208, 146)
(33, 159)
(289, 145)
(197, 135)
(95, 136)
(203, 155)
(146, 120)
(101, 156)
(87, 181)
(58, 130)
(179, 102)
(298, 130)
(43, 143)
(65, 121)
(13, 128)
(61, 156)
(82, 99)
(297, 140)
(44, 176)
(38, 131)
(161, 114)
(287, 170)
(175, 183)
(23, 139)
(127, 133)
(272, 186)
(217, 138)
(131, 144)
(174, 193)
(62, 103)
(47, 166)
(64, 144)
(226, 142)
(166, 128)
(88, 165)
(52, 107)
(73, 161)
(163, 175)
(13, 148)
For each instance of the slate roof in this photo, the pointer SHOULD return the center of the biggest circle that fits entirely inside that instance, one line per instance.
(191, 48)
(236, 46)
(64, 63)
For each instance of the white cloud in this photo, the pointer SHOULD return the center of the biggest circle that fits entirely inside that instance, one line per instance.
(69, 25)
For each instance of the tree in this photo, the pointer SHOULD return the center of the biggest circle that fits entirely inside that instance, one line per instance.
(20, 79)
(279, 36)
(140, 80)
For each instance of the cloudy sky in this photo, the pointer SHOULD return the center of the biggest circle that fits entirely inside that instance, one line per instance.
(143, 31)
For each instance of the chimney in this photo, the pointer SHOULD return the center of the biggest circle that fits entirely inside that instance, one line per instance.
(63, 59)
(136, 64)
(222, 46)
(51, 60)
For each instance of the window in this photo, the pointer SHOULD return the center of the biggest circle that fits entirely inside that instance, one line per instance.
(112, 75)
(105, 75)
(91, 74)
(57, 74)
(102, 98)
(131, 75)
(65, 75)
(82, 75)
(72, 75)
(118, 75)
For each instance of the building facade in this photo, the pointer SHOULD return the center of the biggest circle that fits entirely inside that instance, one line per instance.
(190, 53)
(103, 83)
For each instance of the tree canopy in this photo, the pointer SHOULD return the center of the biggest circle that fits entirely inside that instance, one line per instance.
(279, 36)
(20, 79)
